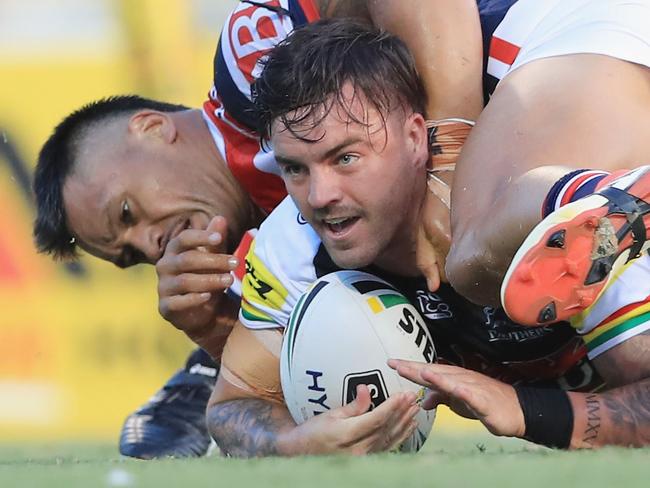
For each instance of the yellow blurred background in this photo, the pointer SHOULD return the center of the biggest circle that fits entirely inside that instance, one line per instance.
(81, 347)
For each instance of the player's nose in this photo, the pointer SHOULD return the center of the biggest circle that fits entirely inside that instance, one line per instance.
(324, 189)
(149, 241)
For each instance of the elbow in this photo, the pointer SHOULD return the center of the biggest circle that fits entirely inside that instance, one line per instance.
(214, 426)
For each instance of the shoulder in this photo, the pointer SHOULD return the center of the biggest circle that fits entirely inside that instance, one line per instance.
(279, 267)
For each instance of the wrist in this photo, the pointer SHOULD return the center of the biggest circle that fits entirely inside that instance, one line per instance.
(213, 343)
(548, 416)
(291, 442)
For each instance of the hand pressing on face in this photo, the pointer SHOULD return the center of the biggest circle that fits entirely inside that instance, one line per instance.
(193, 274)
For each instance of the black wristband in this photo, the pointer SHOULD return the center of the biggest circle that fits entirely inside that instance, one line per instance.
(548, 416)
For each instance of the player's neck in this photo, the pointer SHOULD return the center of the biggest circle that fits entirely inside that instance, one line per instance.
(400, 256)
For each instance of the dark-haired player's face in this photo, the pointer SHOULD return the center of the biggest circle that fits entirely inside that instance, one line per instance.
(358, 185)
(124, 202)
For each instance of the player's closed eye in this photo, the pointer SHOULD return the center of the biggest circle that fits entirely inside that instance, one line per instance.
(126, 216)
(292, 170)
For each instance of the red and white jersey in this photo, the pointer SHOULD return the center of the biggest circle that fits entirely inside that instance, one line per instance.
(534, 29)
(251, 30)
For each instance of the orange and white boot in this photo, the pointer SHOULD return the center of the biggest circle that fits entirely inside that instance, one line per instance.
(566, 261)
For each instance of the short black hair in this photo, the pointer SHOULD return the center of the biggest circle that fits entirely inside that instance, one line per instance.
(309, 68)
(56, 161)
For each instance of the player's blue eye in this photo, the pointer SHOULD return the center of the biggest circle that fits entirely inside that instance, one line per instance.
(348, 159)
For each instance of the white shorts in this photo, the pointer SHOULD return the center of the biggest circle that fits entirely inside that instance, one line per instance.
(536, 29)
(622, 311)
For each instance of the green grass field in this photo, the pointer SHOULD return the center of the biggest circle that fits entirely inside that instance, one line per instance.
(448, 460)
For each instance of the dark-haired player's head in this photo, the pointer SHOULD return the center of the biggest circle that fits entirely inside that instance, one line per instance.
(309, 69)
(343, 107)
(120, 176)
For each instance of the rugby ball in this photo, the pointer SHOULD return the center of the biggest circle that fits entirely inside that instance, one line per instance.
(340, 334)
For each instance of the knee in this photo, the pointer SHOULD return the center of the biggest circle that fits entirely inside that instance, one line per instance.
(461, 264)
(470, 269)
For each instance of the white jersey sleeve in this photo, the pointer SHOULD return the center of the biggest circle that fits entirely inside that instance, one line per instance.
(279, 268)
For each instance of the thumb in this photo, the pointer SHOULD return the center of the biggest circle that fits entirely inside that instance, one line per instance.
(432, 399)
(360, 405)
(432, 274)
(427, 260)
(218, 225)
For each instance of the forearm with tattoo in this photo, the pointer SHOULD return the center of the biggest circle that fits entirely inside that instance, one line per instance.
(248, 427)
(592, 429)
(617, 417)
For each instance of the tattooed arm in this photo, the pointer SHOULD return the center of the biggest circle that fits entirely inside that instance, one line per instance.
(618, 417)
(247, 417)
(621, 415)
(255, 427)
(248, 427)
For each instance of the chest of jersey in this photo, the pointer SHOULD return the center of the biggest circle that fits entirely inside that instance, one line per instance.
(484, 339)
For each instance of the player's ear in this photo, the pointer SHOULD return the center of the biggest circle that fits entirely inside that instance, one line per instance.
(153, 123)
(416, 135)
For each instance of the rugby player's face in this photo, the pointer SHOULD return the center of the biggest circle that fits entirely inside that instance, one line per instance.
(357, 184)
(124, 205)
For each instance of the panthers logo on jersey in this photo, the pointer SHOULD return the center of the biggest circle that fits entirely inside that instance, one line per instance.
(262, 292)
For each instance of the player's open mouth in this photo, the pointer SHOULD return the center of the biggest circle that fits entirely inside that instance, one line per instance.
(339, 225)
